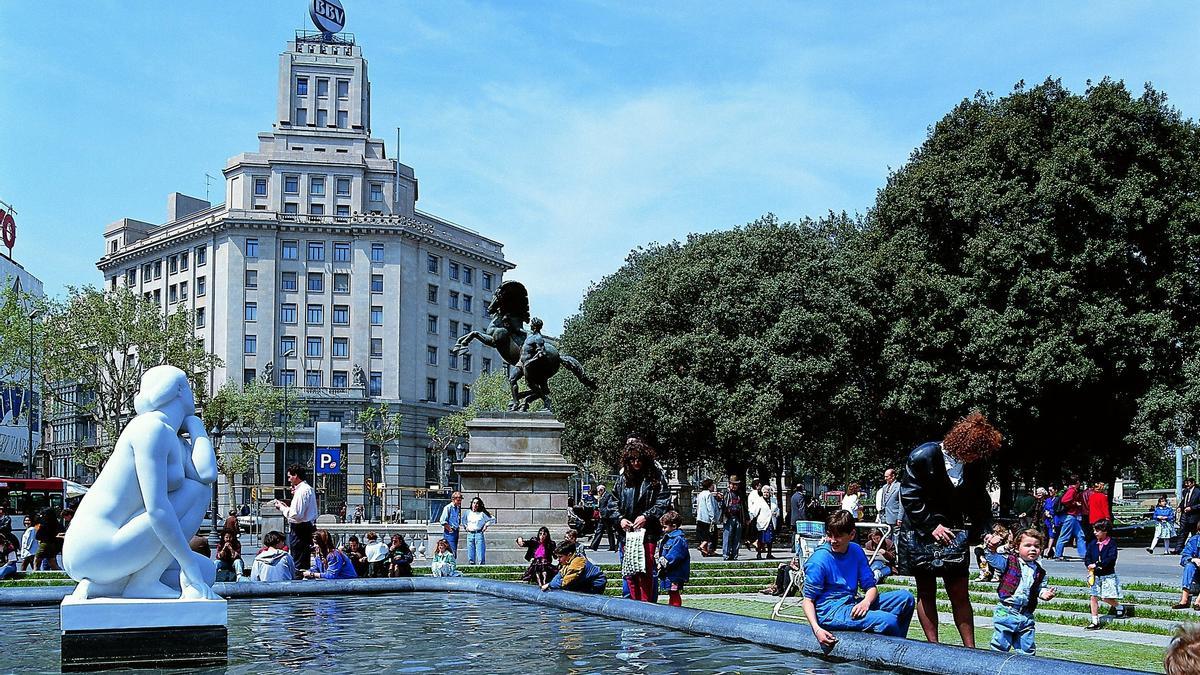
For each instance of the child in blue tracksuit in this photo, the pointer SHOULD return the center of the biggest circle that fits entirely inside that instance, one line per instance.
(1021, 579)
(674, 560)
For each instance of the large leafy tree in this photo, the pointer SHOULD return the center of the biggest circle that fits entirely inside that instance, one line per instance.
(1036, 258)
(737, 348)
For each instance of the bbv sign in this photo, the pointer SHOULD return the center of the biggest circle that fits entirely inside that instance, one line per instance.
(328, 15)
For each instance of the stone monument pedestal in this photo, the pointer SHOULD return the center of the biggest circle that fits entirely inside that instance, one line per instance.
(112, 633)
(517, 468)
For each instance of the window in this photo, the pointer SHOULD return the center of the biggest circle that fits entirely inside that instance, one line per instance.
(287, 281)
(314, 315)
(376, 346)
(466, 328)
(183, 261)
(343, 119)
(201, 286)
(466, 365)
(290, 251)
(260, 187)
(322, 87)
(131, 276)
(316, 186)
(486, 281)
(341, 252)
(376, 192)
(433, 324)
(287, 344)
(302, 86)
(201, 255)
(377, 253)
(453, 329)
(467, 273)
(146, 272)
(251, 311)
(376, 383)
(316, 251)
(466, 303)
(312, 378)
(287, 378)
(301, 117)
(431, 389)
(376, 283)
(157, 269)
(431, 354)
(183, 290)
(322, 119)
(453, 361)
(452, 270)
(248, 376)
(342, 210)
(341, 282)
(287, 312)
(251, 344)
(172, 264)
(251, 278)
(316, 282)
(199, 317)
(291, 185)
(339, 380)
(291, 208)
(466, 394)
(432, 294)
(453, 301)
(452, 394)
(316, 209)
(158, 296)
(341, 315)
(376, 315)
(341, 347)
(433, 264)
(485, 365)
(313, 347)
(343, 88)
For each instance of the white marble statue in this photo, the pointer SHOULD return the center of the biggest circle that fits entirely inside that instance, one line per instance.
(130, 535)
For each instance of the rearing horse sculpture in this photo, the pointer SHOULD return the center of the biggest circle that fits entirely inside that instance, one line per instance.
(506, 334)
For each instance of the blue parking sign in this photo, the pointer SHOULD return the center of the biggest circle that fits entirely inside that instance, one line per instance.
(329, 460)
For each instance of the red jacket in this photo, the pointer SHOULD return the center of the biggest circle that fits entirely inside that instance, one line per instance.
(1073, 500)
(1098, 508)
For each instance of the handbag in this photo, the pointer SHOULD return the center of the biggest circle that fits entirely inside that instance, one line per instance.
(921, 553)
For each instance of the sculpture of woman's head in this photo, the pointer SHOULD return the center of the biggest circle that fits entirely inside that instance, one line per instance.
(160, 386)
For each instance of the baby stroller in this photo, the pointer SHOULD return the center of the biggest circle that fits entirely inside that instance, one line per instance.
(581, 518)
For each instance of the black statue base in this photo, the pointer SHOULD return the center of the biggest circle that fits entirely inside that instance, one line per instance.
(158, 648)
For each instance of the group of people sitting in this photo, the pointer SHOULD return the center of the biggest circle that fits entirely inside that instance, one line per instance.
(274, 561)
(562, 566)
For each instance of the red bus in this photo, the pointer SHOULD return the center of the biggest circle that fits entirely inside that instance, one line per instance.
(29, 496)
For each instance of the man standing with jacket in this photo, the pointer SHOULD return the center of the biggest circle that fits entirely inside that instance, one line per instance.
(1189, 511)
(890, 511)
(1072, 501)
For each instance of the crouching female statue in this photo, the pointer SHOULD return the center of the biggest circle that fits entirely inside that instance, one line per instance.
(131, 531)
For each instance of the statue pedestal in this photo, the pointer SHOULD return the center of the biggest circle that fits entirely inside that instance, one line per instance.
(110, 633)
(517, 468)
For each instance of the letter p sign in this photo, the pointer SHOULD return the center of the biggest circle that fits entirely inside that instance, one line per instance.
(329, 460)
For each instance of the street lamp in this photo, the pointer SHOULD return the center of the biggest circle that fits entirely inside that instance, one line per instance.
(34, 314)
(287, 422)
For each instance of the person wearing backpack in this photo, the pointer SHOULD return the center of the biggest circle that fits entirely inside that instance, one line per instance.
(1071, 503)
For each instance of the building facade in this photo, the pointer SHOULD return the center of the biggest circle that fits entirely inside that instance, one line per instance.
(17, 401)
(318, 272)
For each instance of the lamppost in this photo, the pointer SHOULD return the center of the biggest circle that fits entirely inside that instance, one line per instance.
(34, 314)
(287, 421)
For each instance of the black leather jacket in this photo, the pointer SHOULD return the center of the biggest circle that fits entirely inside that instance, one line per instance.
(651, 498)
(929, 499)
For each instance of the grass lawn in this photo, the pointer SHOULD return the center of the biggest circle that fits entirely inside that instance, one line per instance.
(1087, 650)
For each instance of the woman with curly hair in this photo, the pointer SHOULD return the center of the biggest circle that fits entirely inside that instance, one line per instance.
(946, 506)
(638, 500)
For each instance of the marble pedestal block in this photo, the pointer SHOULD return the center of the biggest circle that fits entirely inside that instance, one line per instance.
(118, 633)
(516, 466)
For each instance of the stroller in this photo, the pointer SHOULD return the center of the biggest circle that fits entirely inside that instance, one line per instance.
(581, 518)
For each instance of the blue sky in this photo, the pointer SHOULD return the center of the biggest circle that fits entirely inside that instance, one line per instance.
(570, 131)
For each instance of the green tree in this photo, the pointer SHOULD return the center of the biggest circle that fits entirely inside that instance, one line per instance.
(1035, 258)
(103, 342)
(380, 427)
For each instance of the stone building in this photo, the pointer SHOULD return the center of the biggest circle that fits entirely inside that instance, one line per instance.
(320, 252)
(15, 392)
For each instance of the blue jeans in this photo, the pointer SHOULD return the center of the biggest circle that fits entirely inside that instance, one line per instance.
(452, 539)
(881, 569)
(1070, 527)
(8, 570)
(890, 614)
(1012, 630)
(1189, 573)
(733, 539)
(475, 547)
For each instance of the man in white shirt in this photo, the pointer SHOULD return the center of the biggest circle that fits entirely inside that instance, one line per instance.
(301, 515)
(451, 520)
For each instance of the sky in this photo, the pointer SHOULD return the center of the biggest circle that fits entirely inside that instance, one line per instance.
(572, 132)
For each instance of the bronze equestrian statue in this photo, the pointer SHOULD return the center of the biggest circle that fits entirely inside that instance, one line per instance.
(531, 356)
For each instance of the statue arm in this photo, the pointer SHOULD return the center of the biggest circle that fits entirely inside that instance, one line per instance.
(201, 466)
(149, 456)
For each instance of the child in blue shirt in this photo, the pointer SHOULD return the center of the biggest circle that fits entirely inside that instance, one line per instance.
(1021, 579)
(674, 561)
(832, 576)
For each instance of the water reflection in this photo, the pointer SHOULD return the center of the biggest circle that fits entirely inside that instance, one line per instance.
(427, 633)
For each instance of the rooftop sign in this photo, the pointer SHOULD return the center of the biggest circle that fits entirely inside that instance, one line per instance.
(328, 15)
